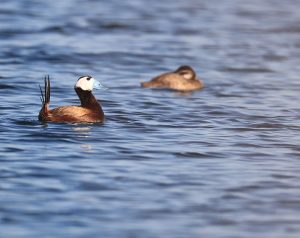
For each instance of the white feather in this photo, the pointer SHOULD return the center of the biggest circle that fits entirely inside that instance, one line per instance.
(188, 75)
(85, 84)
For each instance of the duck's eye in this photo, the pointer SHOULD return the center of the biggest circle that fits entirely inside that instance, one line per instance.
(88, 78)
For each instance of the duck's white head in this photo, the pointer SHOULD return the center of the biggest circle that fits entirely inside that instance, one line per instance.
(87, 83)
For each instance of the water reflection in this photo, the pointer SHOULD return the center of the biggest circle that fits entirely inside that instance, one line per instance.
(82, 131)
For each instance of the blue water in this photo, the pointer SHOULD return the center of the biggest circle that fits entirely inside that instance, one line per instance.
(220, 162)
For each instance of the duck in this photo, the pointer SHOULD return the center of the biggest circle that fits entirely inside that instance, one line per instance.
(182, 79)
(89, 111)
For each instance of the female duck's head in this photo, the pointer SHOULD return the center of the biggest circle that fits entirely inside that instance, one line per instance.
(88, 83)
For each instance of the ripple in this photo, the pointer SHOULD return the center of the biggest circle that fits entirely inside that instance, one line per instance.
(7, 86)
(247, 70)
(94, 186)
(199, 155)
(12, 149)
(285, 29)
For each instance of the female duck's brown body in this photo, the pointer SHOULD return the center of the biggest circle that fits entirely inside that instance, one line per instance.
(182, 79)
(89, 111)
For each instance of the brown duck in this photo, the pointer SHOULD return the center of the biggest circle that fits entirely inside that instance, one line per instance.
(89, 111)
(182, 79)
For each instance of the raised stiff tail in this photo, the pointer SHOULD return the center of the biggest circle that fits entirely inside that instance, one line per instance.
(45, 99)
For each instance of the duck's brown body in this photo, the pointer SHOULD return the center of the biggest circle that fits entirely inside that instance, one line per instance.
(72, 114)
(89, 111)
(176, 80)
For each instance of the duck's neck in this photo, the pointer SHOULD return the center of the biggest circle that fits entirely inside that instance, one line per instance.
(87, 99)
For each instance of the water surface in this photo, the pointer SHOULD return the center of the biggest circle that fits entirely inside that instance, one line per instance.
(220, 162)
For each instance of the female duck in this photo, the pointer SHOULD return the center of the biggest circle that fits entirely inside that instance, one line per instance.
(89, 111)
(182, 79)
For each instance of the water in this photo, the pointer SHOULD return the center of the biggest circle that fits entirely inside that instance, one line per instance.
(220, 162)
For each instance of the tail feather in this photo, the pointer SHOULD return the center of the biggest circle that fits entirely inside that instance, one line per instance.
(45, 99)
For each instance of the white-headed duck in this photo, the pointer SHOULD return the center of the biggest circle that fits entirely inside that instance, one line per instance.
(182, 79)
(89, 111)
